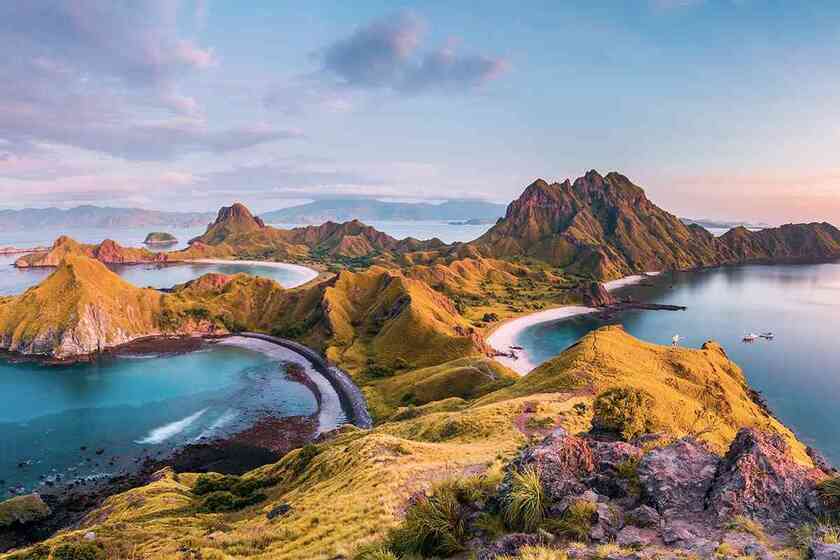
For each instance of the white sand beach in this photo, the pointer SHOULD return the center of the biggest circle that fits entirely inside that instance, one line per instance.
(306, 273)
(507, 334)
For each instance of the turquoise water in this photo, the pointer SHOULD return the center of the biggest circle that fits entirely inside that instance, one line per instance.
(130, 408)
(798, 372)
(15, 281)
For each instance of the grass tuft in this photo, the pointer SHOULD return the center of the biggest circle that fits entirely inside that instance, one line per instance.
(524, 507)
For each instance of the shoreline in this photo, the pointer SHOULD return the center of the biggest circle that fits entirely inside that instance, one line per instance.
(307, 273)
(507, 332)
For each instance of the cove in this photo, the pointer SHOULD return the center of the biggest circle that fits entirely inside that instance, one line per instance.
(15, 281)
(96, 420)
(798, 372)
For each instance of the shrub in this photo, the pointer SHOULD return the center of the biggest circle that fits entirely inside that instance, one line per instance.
(434, 525)
(577, 521)
(375, 552)
(829, 491)
(78, 551)
(624, 411)
(744, 524)
(224, 493)
(220, 502)
(208, 483)
(629, 470)
(524, 507)
(38, 552)
(305, 456)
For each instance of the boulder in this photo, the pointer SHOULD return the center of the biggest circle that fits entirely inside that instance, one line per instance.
(644, 517)
(675, 479)
(820, 551)
(23, 509)
(635, 537)
(594, 294)
(562, 461)
(509, 545)
(758, 478)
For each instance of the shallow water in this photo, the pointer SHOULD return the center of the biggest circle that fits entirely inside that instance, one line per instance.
(798, 371)
(15, 281)
(132, 408)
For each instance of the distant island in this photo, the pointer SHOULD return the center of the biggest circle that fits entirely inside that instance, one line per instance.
(342, 210)
(722, 224)
(99, 217)
(160, 238)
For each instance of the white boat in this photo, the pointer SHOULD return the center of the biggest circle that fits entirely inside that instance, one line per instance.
(767, 335)
(751, 337)
(675, 339)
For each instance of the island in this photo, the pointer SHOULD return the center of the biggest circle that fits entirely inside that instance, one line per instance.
(160, 238)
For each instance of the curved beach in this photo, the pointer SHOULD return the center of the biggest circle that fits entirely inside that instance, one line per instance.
(331, 413)
(307, 274)
(507, 333)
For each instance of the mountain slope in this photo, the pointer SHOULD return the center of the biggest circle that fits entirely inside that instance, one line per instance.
(80, 308)
(597, 225)
(605, 227)
(238, 232)
(342, 210)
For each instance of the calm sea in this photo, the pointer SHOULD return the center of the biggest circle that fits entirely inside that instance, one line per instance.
(798, 371)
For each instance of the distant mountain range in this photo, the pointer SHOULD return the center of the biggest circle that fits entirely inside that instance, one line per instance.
(342, 210)
(99, 217)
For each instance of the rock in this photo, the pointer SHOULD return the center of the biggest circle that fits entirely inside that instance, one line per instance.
(609, 521)
(90, 536)
(758, 478)
(820, 461)
(279, 510)
(509, 545)
(23, 509)
(820, 551)
(594, 294)
(562, 460)
(643, 516)
(609, 456)
(635, 537)
(757, 550)
(675, 479)
(677, 531)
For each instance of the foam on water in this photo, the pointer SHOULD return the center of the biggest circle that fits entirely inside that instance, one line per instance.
(163, 433)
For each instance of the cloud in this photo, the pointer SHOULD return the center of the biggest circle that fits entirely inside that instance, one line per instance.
(107, 77)
(137, 42)
(385, 54)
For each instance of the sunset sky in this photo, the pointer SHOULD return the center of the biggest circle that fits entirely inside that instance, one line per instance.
(720, 109)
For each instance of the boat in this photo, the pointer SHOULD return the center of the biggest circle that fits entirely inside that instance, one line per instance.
(751, 337)
(675, 339)
(767, 335)
(515, 347)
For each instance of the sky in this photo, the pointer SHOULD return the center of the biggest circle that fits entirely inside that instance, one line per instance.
(722, 109)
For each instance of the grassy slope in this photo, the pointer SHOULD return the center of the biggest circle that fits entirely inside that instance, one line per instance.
(82, 296)
(696, 391)
(358, 484)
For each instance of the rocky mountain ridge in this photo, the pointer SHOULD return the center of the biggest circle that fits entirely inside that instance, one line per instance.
(605, 226)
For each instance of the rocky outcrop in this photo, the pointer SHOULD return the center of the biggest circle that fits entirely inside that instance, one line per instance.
(759, 479)
(230, 221)
(680, 495)
(676, 479)
(594, 294)
(606, 227)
